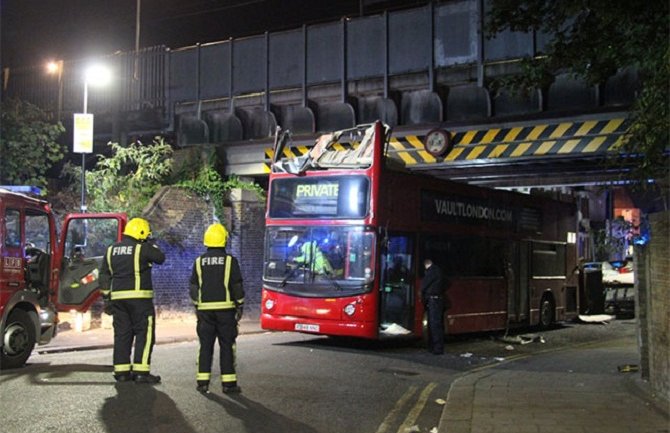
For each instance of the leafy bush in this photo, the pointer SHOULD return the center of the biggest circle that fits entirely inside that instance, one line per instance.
(128, 179)
(210, 185)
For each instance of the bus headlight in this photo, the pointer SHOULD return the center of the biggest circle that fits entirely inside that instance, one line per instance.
(269, 304)
(350, 309)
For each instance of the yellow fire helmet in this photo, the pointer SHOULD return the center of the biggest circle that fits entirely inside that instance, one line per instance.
(216, 236)
(138, 228)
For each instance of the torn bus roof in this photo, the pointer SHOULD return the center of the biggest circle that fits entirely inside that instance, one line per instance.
(329, 151)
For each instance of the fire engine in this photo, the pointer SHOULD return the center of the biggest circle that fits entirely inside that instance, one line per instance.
(42, 274)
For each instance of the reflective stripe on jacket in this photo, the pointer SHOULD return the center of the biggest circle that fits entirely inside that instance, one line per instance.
(219, 281)
(126, 270)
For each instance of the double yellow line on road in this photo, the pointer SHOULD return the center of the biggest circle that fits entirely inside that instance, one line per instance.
(412, 415)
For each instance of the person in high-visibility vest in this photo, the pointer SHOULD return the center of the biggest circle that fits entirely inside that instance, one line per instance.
(126, 286)
(312, 256)
(218, 295)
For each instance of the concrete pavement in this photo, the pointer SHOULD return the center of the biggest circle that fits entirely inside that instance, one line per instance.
(579, 389)
(571, 390)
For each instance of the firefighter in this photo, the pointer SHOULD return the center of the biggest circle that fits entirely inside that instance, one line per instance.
(125, 281)
(217, 292)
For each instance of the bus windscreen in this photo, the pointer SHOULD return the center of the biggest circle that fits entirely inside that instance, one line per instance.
(314, 260)
(320, 197)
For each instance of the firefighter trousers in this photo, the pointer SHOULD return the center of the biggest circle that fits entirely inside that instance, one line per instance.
(213, 325)
(133, 320)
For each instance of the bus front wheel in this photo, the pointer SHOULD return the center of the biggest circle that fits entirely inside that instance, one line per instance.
(547, 312)
(18, 340)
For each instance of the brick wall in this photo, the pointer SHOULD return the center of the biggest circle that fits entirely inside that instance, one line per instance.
(179, 219)
(642, 307)
(247, 226)
(653, 304)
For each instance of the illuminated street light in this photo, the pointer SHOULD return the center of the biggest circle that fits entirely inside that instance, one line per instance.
(53, 67)
(97, 76)
(56, 68)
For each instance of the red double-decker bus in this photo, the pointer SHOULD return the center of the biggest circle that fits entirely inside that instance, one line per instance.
(348, 229)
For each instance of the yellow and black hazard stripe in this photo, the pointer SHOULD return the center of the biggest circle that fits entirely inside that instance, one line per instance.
(585, 137)
(566, 138)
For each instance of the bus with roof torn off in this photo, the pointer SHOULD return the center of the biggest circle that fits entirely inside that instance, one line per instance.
(348, 227)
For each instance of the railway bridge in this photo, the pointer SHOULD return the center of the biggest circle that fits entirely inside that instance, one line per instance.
(426, 71)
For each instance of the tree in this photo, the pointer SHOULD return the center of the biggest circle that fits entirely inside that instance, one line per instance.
(593, 39)
(128, 179)
(28, 146)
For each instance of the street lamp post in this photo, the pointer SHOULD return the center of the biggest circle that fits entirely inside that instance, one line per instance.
(96, 75)
(83, 154)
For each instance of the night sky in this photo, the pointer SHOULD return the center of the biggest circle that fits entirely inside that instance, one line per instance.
(34, 31)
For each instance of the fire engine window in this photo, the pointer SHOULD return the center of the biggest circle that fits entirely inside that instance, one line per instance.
(90, 237)
(12, 228)
(37, 231)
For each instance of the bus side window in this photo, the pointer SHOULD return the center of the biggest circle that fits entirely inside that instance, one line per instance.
(360, 255)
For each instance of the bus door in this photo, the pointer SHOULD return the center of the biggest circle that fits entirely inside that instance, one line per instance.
(85, 239)
(523, 279)
(397, 284)
(515, 289)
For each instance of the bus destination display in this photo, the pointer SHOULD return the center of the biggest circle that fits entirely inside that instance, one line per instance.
(320, 197)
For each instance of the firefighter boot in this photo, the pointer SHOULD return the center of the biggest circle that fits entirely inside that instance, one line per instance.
(231, 389)
(123, 377)
(147, 378)
(203, 386)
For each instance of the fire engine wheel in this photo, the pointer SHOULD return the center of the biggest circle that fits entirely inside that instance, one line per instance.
(18, 340)
(547, 312)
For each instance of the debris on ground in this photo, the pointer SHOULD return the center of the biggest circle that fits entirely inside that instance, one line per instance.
(414, 428)
(596, 318)
(440, 401)
(628, 368)
(466, 355)
(499, 358)
(523, 339)
(393, 329)
(433, 430)
(509, 347)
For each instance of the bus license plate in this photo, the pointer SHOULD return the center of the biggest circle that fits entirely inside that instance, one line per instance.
(306, 327)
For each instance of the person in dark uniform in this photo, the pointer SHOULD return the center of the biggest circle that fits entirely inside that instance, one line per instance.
(432, 294)
(399, 272)
(218, 295)
(125, 282)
